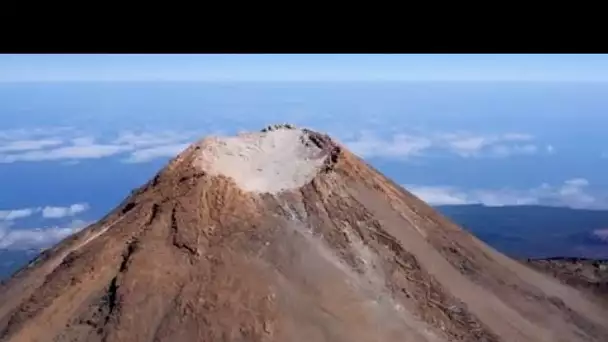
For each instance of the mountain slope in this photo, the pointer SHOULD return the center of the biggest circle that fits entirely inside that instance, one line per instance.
(589, 275)
(284, 235)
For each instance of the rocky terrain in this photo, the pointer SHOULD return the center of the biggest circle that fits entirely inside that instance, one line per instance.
(588, 275)
(284, 235)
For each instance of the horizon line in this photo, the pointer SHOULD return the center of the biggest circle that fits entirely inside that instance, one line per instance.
(304, 81)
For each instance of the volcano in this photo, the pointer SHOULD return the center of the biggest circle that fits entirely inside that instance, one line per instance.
(284, 235)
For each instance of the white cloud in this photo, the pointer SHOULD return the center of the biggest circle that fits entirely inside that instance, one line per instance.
(60, 212)
(18, 146)
(27, 145)
(70, 152)
(148, 154)
(468, 145)
(33, 133)
(34, 146)
(140, 140)
(15, 214)
(398, 145)
(576, 182)
(601, 234)
(37, 237)
(572, 193)
(445, 195)
(47, 212)
(401, 145)
(439, 195)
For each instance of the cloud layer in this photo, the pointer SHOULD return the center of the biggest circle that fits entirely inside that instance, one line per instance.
(37, 237)
(139, 147)
(147, 154)
(66, 145)
(60, 212)
(463, 144)
(14, 214)
(19, 238)
(573, 193)
(48, 212)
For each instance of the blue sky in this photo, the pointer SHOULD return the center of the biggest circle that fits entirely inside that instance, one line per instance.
(71, 151)
(459, 67)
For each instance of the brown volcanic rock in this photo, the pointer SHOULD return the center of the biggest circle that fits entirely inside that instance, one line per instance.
(284, 236)
(588, 275)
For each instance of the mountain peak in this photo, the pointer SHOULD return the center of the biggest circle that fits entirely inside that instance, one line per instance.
(280, 157)
(284, 235)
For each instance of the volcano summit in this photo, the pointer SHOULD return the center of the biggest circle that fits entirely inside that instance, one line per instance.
(284, 235)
